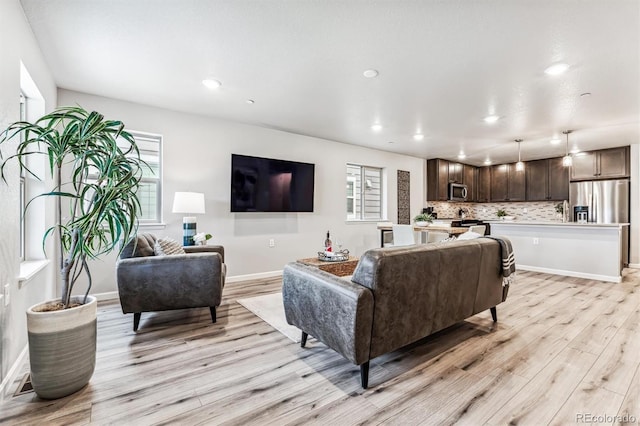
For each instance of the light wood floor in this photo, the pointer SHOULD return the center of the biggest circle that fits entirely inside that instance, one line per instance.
(563, 348)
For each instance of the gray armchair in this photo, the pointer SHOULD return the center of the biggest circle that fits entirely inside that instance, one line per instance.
(148, 283)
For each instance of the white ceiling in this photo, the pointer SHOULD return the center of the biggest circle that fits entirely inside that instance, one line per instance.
(443, 66)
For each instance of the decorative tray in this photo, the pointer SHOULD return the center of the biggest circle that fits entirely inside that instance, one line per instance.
(339, 256)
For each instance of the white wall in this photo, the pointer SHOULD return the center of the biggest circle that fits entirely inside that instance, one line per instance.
(197, 157)
(634, 217)
(17, 44)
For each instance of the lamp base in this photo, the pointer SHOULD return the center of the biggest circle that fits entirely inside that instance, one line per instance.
(188, 230)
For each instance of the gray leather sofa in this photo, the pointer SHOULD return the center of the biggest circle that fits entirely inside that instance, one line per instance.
(396, 296)
(148, 283)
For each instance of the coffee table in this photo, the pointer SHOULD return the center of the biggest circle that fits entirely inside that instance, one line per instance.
(340, 269)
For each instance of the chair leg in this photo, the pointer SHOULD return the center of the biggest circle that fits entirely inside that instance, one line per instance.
(136, 320)
(494, 314)
(364, 375)
(213, 313)
(303, 339)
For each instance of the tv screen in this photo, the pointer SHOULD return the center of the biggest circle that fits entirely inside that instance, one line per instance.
(270, 185)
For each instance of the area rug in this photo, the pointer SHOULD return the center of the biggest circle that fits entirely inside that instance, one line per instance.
(270, 309)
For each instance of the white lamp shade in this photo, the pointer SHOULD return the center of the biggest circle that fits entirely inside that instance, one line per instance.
(188, 202)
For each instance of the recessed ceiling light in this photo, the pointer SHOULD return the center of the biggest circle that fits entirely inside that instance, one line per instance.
(487, 162)
(211, 84)
(555, 141)
(418, 136)
(556, 69)
(250, 101)
(370, 73)
(390, 141)
(491, 119)
(376, 127)
(461, 156)
(575, 150)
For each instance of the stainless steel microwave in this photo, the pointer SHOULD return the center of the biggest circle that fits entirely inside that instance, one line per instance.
(457, 192)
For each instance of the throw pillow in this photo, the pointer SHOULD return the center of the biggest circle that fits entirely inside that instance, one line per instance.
(469, 236)
(167, 246)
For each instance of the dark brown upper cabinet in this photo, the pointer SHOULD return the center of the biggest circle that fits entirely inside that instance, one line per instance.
(437, 180)
(507, 184)
(547, 180)
(603, 164)
(456, 172)
(484, 185)
(469, 179)
(442, 172)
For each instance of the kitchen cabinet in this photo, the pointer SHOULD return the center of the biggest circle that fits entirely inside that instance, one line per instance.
(469, 179)
(456, 172)
(437, 180)
(442, 172)
(558, 180)
(507, 184)
(484, 185)
(603, 164)
(546, 180)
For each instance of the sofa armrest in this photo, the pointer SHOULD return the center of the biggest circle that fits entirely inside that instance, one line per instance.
(335, 311)
(205, 249)
(156, 283)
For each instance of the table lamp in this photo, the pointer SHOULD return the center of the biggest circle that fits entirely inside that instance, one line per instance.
(190, 203)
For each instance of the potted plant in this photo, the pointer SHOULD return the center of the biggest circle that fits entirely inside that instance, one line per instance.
(423, 219)
(501, 214)
(95, 166)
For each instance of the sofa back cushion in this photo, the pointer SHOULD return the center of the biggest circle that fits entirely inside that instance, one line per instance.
(419, 290)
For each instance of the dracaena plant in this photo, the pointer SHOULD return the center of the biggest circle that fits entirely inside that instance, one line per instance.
(96, 168)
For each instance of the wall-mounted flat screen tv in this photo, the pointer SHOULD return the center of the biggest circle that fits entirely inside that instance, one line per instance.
(270, 185)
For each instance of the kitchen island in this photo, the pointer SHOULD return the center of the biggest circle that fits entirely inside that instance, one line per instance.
(586, 250)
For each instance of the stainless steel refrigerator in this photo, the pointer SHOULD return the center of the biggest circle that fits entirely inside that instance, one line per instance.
(604, 201)
(607, 200)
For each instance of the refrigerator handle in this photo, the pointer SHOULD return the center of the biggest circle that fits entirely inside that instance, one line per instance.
(593, 212)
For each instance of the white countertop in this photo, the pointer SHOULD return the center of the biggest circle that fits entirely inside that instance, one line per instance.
(556, 223)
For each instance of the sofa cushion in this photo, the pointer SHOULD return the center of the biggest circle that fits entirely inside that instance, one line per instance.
(167, 246)
(139, 246)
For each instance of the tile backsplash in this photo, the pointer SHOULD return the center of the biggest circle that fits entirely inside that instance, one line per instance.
(530, 210)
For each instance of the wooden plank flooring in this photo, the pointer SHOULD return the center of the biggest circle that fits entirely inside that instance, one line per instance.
(563, 347)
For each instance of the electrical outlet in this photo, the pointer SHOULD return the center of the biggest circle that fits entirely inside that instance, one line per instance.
(536, 241)
(7, 290)
(272, 242)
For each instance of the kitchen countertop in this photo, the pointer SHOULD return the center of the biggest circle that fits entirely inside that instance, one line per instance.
(556, 223)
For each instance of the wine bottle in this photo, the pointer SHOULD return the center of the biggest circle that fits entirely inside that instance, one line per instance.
(328, 244)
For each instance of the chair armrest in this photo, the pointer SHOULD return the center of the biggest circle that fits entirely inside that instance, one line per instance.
(335, 311)
(205, 249)
(156, 283)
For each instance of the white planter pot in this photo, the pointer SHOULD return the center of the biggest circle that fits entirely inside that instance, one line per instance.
(422, 223)
(62, 348)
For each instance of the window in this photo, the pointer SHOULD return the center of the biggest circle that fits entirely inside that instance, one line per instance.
(364, 192)
(23, 182)
(150, 190)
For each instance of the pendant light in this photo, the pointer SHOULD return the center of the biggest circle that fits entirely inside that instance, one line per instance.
(567, 161)
(519, 164)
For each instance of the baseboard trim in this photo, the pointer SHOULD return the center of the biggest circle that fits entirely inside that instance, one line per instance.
(634, 266)
(10, 377)
(270, 274)
(608, 278)
(110, 295)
